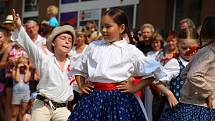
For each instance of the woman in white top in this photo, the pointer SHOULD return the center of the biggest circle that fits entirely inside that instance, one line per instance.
(54, 88)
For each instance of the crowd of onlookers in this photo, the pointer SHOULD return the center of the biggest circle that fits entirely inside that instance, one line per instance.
(18, 77)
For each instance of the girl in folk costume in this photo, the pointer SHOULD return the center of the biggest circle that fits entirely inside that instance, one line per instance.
(197, 102)
(188, 43)
(107, 63)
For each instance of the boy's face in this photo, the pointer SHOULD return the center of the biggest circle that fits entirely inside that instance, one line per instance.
(186, 45)
(63, 43)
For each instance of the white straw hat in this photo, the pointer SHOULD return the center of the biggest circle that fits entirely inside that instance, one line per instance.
(8, 20)
(59, 30)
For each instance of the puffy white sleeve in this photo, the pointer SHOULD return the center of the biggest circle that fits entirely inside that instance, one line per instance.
(147, 66)
(22, 39)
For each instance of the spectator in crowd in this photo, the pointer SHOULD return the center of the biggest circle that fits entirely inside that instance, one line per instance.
(21, 89)
(32, 28)
(75, 58)
(157, 53)
(157, 42)
(6, 87)
(171, 49)
(52, 12)
(144, 44)
(186, 23)
(91, 26)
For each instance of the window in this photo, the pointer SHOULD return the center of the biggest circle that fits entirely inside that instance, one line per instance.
(188, 9)
(31, 5)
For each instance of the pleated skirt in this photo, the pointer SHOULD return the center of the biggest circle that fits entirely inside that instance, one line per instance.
(188, 112)
(101, 105)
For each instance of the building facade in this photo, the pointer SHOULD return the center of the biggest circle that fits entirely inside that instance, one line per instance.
(163, 14)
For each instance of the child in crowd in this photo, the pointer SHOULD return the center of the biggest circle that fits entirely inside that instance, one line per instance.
(52, 12)
(54, 88)
(157, 42)
(197, 102)
(21, 90)
(107, 63)
(187, 43)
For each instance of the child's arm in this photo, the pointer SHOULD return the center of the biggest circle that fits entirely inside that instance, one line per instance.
(131, 88)
(170, 96)
(27, 73)
(84, 87)
(17, 73)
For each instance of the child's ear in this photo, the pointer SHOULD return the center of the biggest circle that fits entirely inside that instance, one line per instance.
(122, 28)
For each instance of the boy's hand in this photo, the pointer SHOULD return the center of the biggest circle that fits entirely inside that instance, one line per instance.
(16, 19)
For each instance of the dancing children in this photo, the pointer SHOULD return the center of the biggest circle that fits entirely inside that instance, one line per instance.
(188, 43)
(54, 88)
(106, 63)
(197, 102)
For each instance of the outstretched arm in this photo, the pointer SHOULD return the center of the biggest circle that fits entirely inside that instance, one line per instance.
(22, 39)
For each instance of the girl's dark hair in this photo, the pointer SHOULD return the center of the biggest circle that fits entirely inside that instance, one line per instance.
(207, 32)
(119, 18)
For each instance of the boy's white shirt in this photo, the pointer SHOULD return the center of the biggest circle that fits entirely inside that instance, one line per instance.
(54, 83)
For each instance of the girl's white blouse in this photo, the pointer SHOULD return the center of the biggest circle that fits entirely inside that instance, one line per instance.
(116, 62)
